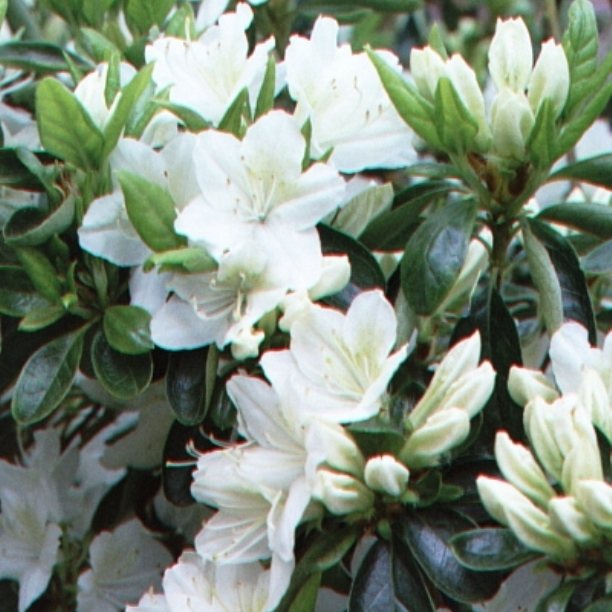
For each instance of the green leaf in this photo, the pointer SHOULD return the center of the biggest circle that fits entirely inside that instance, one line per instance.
(193, 121)
(427, 534)
(17, 293)
(123, 376)
(306, 598)
(46, 174)
(599, 260)
(41, 272)
(354, 216)
(584, 216)
(186, 385)
(376, 436)
(557, 599)
(177, 471)
(31, 227)
(265, 99)
(41, 317)
(435, 254)
(14, 173)
(127, 329)
(97, 45)
(65, 127)
(365, 271)
(189, 260)
(38, 57)
(455, 125)
(490, 549)
(237, 115)
(3, 7)
(382, 6)
(46, 378)
(601, 605)
(576, 303)
(129, 96)
(417, 112)
(391, 230)
(151, 211)
(94, 10)
(595, 170)
(113, 79)
(542, 138)
(141, 15)
(436, 41)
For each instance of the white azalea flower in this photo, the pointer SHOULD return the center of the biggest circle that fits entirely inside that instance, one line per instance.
(255, 189)
(510, 55)
(207, 74)
(341, 95)
(124, 563)
(341, 364)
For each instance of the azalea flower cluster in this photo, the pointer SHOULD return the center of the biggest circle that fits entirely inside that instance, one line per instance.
(555, 497)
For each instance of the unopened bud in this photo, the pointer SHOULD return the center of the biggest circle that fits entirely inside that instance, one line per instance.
(329, 443)
(550, 78)
(540, 421)
(594, 397)
(525, 384)
(567, 518)
(386, 475)
(471, 391)
(595, 499)
(335, 274)
(510, 55)
(342, 494)
(511, 123)
(426, 67)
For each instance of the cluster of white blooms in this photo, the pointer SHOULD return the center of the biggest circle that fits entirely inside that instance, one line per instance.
(522, 88)
(556, 499)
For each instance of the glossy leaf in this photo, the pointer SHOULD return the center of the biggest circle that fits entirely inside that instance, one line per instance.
(186, 385)
(31, 227)
(365, 271)
(435, 254)
(39, 57)
(151, 211)
(595, 170)
(455, 125)
(46, 378)
(490, 549)
(123, 376)
(127, 329)
(17, 293)
(65, 127)
(40, 271)
(595, 219)
(541, 141)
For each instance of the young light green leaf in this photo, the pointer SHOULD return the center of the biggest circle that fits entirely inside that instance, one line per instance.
(190, 260)
(141, 15)
(40, 271)
(127, 329)
(595, 170)
(434, 255)
(113, 78)
(97, 45)
(3, 7)
(65, 127)
(541, 141)
(151, 210)
(436, 41)
(237, 115)
(455, 125)
(193, 121)
(265, 99)
(46, 378)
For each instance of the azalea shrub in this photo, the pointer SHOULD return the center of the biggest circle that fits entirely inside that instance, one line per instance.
(305, 306)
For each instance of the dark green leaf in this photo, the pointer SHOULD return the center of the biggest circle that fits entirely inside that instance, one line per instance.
(574, 291)
(601, 605)
(557, 600)
(427, 534)
(123, 376)
(46, 378)
(127, 329)
(435, 254)
(265, 99)
(32, 227)
(455, 125)
(593, 218)
(417, 112)
(17, 293)
(599, 260)
(14, 173)
(306, 598)
(41, 272)
(151, 211)
(365, 271)
(186, 385)
(141, 15)
(376, 436)
(595, 170)
(541, 141)
(391, 230)
(236, 116)
(65, 127)
(41, 317)
(40, 57)
(490, 549)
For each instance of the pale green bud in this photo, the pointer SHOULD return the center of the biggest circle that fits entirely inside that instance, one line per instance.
(497, 494)
(595, 499)
(511, 123)
(550, 78)
(426, 67)
(594, 397)
(525, 384)
(462, 358)
(520, 468)
(540, 422)
(471, 391)
(440, 432)
(510, 55)
(341, 494)
(385, 474)
(567, 518)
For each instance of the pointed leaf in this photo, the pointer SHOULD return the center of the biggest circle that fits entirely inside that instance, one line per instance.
(265, 99)
(455, 125)
(41, 272)
(46, 378)
(17, 293)
(595, 170)
(186, 385)
(41, 317)
(141, 15)
(193, 121)
(39, 57)
(127, 329)
(234, 119)
(542, 138)
(586, 217)
(599, 260)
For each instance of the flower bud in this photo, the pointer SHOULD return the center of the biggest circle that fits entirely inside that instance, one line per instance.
(511, 123)
(440, 432)
(539, 420)
(594, 397)
(426, 67)
(525, 384)
(520, 468)
(471, 391)
(567, 518)
(550, 78)
(497, 494)
(583, 462)
(386, 475)
(335, 274)
(510, 55)
(341, 494)
(245, 341)
(595, 500)
(462, 358)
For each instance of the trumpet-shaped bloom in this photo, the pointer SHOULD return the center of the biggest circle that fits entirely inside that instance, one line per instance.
(255, 190)
(341, 96)
(207, 74)
(341, 363)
